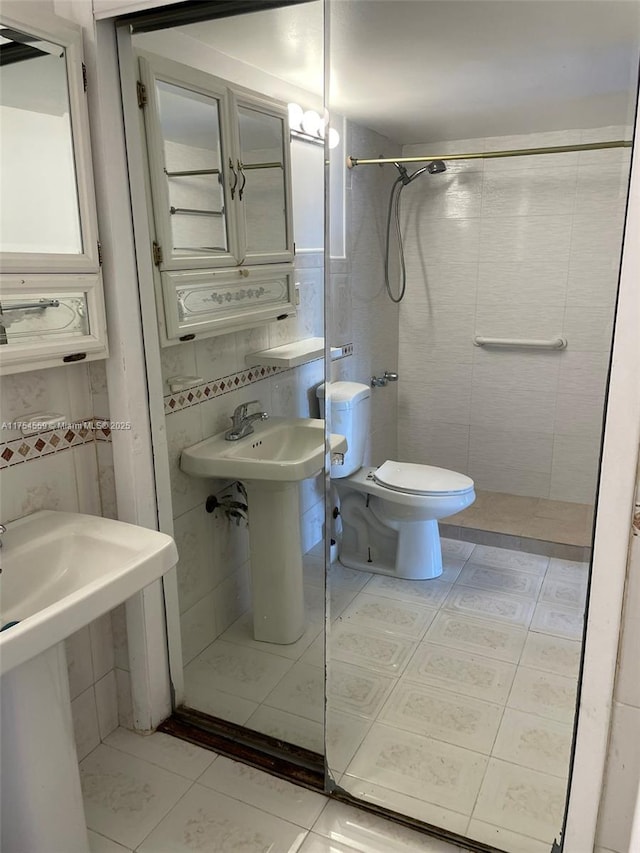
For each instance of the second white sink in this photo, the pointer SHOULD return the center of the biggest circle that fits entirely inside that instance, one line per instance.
(61, 570)
(279, 449)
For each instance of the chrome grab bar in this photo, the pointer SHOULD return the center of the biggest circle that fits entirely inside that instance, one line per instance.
(23, 306)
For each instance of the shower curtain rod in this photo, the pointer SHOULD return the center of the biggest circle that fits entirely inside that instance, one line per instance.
(485, 155)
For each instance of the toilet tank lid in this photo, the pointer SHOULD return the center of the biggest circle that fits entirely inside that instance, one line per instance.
(344, 394)
(421, 479)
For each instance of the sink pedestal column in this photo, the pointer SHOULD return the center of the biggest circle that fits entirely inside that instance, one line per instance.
(277, 588)
(41, 796)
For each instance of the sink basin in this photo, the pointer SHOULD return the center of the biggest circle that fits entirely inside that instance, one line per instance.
(271, 462)
(62, 570)
(279, 449)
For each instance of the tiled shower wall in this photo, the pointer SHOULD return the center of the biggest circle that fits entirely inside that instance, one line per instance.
(360, 310)
(213, 571)
(70, 469)
(523, 247)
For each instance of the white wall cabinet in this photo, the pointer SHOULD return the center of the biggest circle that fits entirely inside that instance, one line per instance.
(51, 296)
(220, 170)
(220, 187)
(222, 301)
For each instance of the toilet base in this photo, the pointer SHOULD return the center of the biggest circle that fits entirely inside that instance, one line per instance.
(414, 554)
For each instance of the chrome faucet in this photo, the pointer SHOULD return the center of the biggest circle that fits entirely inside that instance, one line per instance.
(3, 529)
(242, 423)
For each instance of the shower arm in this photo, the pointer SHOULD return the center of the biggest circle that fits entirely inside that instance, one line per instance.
(487, 155)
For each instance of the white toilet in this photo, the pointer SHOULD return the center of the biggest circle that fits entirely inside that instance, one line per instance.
(389, 514)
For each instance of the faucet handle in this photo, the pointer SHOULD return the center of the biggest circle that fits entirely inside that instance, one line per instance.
(240, 412)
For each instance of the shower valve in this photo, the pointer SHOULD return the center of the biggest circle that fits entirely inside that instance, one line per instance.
(381, 381)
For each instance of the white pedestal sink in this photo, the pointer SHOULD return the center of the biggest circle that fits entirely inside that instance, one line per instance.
(60, 571)
(271, 462)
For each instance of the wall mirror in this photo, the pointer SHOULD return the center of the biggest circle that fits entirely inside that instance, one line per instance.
(46, 202)
(51, 300)
(451, 682)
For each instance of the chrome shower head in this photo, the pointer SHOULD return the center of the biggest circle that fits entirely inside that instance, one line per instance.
(436, 166)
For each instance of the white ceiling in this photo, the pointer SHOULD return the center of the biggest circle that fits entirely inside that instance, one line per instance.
(427, 70)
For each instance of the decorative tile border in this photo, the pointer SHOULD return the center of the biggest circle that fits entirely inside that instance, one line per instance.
(216, 388)
(197, 394)
(26, 449)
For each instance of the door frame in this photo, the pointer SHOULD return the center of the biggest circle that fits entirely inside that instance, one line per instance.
(614, 502)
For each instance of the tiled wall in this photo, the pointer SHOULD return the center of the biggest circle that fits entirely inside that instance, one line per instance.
(523, 247)
(360, 310)
(213, 571)
(68, 469)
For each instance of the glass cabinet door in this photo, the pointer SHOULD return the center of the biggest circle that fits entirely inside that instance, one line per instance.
(263, 187)
(193, 178)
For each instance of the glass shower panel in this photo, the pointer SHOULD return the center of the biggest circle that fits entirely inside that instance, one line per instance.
(451, 699)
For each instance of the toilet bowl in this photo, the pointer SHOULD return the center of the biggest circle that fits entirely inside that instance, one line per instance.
(389, 513)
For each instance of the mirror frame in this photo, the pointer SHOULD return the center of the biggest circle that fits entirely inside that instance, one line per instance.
(88, 259)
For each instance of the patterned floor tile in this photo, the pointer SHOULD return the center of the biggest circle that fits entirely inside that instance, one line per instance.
(472, 675)
(427, 769)
(431, 593)
(545, 694)
(506, 559)
(370, 792)
(521, 800)
(319, 844)
(564, 592)
(504, 839)
(368, 833)
(558, 621)
(437, 713)
(568, 570)
(300, 692)
(241, 634)
(451, 568)
(356, 690)
(269, 793)
(288, 727)
(389, 616)
(208, 820)
(203, 696)
(456, 548)
(534, 742)
(387, 653)
(510, 581)
(552, 654)
(238, 670)
(175, 755)
(125, 797)
(344, 734)
(490, 639)
(490, 605)
(100, 844)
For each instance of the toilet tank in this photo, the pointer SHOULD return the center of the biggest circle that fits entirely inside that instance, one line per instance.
(350, 416)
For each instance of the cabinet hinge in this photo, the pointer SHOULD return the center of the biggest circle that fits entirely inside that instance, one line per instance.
(84, 77)
(158, 257)
(99, 253)
(141, 89)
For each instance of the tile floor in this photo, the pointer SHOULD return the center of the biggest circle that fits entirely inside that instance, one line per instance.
(449, 700)
(157, 794)
(533, 518)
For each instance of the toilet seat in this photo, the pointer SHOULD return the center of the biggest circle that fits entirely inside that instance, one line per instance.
(428, 480)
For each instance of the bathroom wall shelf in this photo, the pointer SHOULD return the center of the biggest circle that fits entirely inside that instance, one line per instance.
(291, 355)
